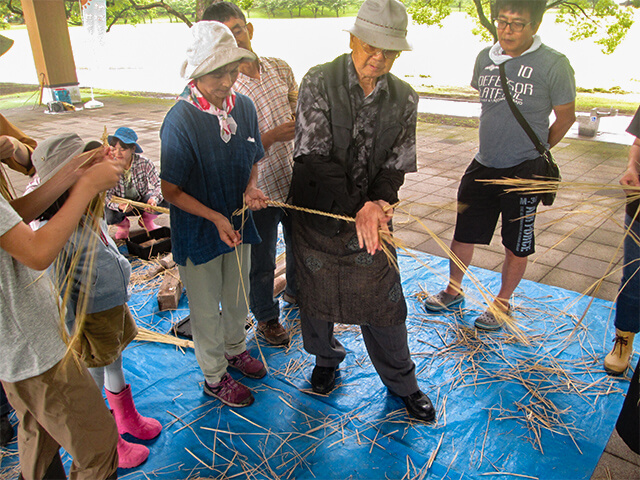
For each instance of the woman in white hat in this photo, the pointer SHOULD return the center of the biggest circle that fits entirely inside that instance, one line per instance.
(210, 149)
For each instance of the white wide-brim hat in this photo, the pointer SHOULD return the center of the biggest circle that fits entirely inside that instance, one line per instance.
(382, 24)
(212, 46)
(53, 153)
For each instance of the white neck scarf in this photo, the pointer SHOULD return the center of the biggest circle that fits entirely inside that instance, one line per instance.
(497, 55)
(228, 125)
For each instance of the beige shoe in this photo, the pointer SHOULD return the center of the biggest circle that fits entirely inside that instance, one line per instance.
(616, 362)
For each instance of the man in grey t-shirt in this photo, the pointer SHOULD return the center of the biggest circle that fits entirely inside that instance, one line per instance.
(540, 81)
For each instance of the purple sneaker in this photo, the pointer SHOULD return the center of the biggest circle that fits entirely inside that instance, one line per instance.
(245, 363)
(229, 392)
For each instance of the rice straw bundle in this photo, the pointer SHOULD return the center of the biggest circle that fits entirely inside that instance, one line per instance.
(140, 205)
(540, 185)
(146, 335)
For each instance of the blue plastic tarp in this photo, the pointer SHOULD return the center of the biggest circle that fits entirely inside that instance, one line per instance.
(541, 410)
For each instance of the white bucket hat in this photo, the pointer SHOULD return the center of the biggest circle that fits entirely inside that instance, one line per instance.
(382, 24)
(212, 46)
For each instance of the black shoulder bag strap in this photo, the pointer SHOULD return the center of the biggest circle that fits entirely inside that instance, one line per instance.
(516, 113)
(553, 172)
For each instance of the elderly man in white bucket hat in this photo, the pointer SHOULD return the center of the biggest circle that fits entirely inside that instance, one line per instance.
(355, 140)
(210, 149)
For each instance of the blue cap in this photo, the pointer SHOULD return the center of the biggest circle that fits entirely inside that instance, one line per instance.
(126, 136)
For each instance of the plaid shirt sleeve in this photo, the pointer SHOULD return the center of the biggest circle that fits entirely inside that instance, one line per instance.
(275, 95)
(146, 179)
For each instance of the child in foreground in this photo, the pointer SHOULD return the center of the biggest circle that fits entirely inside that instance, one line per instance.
(56, 401)
(92, 277)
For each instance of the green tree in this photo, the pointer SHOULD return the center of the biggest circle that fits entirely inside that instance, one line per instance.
(136, 11)
(293, 6)
(184, 7)
(315, 6)
(604, 21)
(246, 5)
(270, 6)
(124, 11)
(338, 5)
(10, 12)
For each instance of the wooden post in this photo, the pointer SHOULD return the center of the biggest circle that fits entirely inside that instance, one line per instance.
(49, 36)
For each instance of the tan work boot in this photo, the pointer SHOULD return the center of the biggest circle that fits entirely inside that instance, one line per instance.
(616, 362)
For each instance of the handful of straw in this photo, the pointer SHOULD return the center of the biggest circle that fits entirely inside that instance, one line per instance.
(145, 335)
(140, 205)
(542, 185)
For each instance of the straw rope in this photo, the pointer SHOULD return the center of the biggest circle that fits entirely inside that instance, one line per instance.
(144, 206)
(272, 203)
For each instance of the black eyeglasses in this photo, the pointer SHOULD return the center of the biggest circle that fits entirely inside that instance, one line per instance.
(515, 26)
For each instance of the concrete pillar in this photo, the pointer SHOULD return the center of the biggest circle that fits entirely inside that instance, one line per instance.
(49, 36)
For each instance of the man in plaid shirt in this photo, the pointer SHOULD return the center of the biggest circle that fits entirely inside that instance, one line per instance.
(270, 83)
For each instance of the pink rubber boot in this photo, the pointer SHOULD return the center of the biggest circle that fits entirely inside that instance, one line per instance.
(127, 417)
(130, 455)
(146, 221)
(123, 229)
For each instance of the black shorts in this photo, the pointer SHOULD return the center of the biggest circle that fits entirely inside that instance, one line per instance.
(480, 204)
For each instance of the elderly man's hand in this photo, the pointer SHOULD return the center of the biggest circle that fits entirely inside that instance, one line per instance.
(369, 220)
(255, 199)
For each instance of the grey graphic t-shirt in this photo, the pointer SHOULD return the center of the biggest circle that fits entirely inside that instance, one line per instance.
(30, 326)
(538, 81)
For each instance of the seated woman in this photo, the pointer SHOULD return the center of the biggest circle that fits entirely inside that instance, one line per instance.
(140, 183)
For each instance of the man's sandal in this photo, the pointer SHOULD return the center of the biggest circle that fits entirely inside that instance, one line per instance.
(442, 301)
(488, 321)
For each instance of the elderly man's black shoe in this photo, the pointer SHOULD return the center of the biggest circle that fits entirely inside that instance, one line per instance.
(323, 379)
(419, 406)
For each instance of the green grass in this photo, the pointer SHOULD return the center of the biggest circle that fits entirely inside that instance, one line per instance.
(19, 99)
(586, 101)
(29, 95)
(15, 96)
(625, 103)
